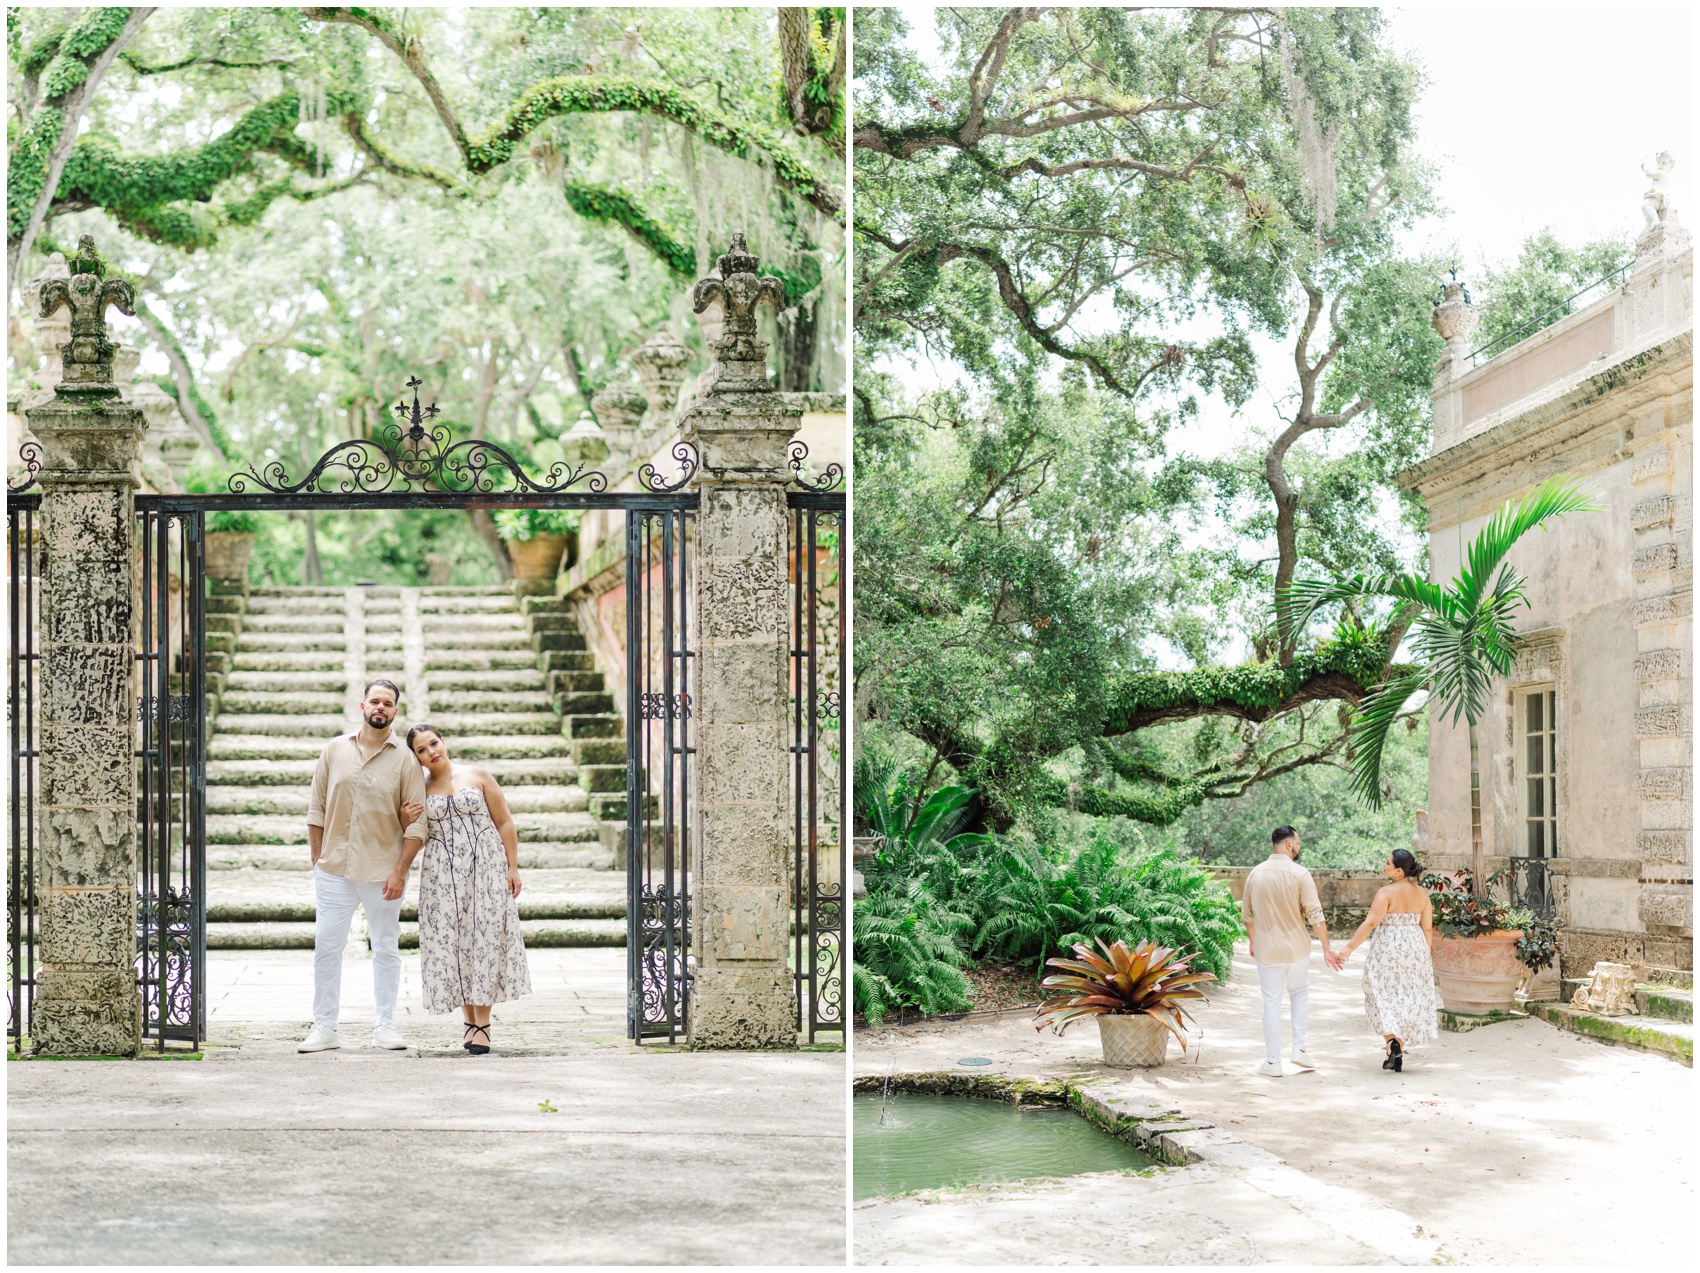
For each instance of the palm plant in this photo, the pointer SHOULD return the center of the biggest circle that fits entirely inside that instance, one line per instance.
(1461, 635)
(1116, 981)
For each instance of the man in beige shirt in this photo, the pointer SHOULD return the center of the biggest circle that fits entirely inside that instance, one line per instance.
(368, 798)
(1279, 901)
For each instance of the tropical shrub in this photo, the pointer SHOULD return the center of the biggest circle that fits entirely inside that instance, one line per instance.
(908, 953)
(528, 523)
(1030, 903)
(1148, 979)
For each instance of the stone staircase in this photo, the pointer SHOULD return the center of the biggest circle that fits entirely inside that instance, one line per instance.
(513, 688)
(1665, 1025)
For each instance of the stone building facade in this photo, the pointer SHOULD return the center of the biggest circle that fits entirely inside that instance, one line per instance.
(1587, 748)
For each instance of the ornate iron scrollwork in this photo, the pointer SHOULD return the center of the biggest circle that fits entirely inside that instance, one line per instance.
(830, 479)
(651, 480)
(30, 454)
(420, 458)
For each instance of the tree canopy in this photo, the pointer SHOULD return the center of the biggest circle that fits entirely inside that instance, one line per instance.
(1097, 229)
(315, 203)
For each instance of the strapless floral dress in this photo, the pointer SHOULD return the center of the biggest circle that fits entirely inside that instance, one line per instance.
(1399, 982)
(470, 948)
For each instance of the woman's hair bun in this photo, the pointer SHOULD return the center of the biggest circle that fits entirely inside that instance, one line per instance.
(1406, 861)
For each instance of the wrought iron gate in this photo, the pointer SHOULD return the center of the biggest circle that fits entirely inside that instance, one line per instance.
(658, 750)
(23, 590)
(171, 883)
(819, 595)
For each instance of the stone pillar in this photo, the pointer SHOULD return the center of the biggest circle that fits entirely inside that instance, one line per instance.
(86, 999)
(743, 994)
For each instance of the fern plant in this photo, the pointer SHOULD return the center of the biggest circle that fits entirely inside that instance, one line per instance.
(908, 953)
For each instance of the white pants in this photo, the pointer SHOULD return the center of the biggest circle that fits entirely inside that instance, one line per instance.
(1294, 978)
(335, 900)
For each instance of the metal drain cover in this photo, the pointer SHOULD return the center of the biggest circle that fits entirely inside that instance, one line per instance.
(975, 1060)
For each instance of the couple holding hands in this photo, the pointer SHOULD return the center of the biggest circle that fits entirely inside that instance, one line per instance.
(375, 806)
(1280, 903)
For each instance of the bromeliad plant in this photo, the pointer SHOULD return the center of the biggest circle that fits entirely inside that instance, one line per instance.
(1461, 636)
(1120, 982)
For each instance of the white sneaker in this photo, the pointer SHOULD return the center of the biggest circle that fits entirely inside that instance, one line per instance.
(1303, 1058)
(386, 1036)
(1271, 1070)
(319, 1039)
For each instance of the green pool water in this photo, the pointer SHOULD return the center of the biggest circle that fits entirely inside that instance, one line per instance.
(930, 1142)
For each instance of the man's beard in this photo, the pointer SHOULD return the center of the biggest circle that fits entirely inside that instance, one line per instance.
(1296, 854)
(376, 724)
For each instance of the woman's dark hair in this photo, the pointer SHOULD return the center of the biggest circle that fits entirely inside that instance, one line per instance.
(1405, 860)
(421, 729)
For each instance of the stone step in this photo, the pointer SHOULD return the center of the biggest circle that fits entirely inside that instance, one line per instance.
(474, 748)
(538, 934)
(323, 681)
(323, 727)
(293, 623)
(242, 828)
(277, 605)
(293, 592)
(292, 800)
(243, 702)
(466, 598)
(526, 680)
(1645, 1034)
(297, 771)
(454, 724)
(289, 661)
(585, 854)
(446, 701)
(442, 641)
(471, 624)
(1665, 1003)
(288, 642)
(438, 660)
(1681, 978)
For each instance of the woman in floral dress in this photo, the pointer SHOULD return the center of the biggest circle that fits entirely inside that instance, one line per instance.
(471, 954)
(1399, 973)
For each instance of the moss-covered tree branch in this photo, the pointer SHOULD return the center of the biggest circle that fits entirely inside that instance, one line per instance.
(71, 67)
(600, 203)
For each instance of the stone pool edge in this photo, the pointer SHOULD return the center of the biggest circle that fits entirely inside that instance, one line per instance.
(1163, 1131)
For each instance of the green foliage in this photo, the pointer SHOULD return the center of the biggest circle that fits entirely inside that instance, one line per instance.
(1462, 634)
(26, 171)
(1546, 273)
(1460, 911)
(908, 953)
(1115, 980)
(528, 523)
(87, 38)
(600, 203)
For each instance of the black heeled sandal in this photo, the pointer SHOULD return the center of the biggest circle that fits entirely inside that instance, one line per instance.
(477, 1049)
(1395, 1058)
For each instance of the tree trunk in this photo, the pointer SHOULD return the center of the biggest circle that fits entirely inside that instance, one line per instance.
(1478, 855)
(796, 59)
(485, 525)
(312, 570)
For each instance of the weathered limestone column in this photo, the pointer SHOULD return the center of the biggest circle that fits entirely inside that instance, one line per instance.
(743, 994)
(86, 1000)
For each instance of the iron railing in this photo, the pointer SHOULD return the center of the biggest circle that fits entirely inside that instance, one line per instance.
(23, 579)
(819, 610)
(1491, 350)
(1530, 884)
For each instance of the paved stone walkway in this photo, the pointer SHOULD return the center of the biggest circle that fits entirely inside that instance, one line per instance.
(1515, 1144)
(259, 1155)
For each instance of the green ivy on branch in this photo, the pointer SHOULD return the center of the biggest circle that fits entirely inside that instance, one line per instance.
(601, 203)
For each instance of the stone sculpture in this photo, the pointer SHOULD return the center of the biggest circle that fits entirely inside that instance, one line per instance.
(1656, 205)
(1610, 991)
(740, 362)
(87, 356)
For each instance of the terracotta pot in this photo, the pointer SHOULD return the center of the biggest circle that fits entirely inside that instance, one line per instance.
(227, 554)
(1478, 974)
(1134, 1041)
(538, 557)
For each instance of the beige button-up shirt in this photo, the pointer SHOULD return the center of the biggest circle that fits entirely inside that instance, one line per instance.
(358, 803)
(1280, 899)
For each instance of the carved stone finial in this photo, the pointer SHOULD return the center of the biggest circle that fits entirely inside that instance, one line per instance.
(1656, 205)
(619, 407)
(87, 356)
(739, 357)
(660, 363)
(1454, 318)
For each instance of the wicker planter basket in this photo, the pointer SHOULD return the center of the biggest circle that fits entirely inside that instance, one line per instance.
(1133, 1041)
(538, 557)
(1478, 974)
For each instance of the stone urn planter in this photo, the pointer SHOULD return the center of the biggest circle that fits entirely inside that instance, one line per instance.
(1478, 975)
(228, 552)
(1133, 1041)
(538, 557)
